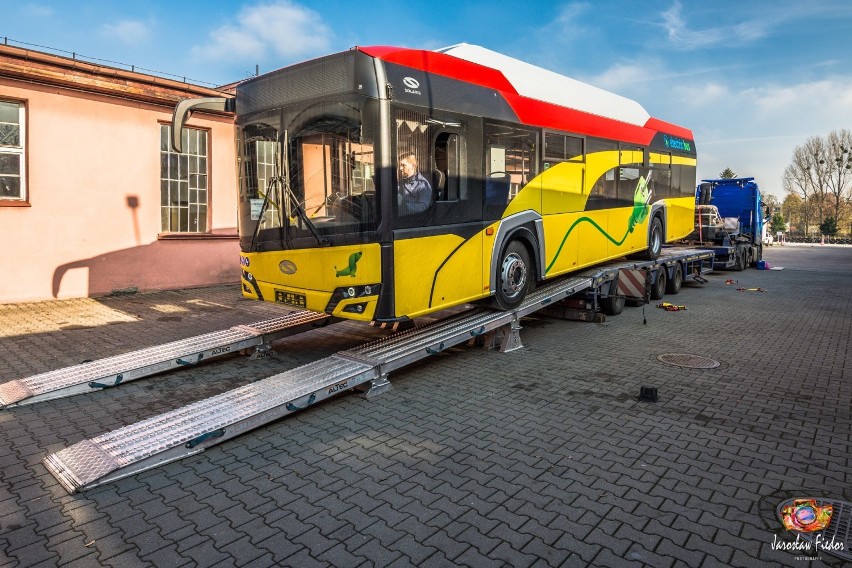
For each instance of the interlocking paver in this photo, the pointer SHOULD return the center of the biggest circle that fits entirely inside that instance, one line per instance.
(535, 458)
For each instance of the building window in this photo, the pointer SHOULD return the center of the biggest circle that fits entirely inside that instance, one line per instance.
(183, 182)
(12, 157)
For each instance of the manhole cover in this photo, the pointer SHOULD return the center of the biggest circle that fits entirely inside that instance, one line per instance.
(687, 360)
(834, 539)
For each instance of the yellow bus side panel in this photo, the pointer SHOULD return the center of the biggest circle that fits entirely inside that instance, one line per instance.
(637, 239)
(591, 231)
(561, 252)
(597, 164)
(434, 272)
(680, 218)
(487, 249)
(562, 188)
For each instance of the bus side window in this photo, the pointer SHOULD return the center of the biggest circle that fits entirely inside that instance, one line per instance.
(445, 174)
(414, 182)
(604, 193)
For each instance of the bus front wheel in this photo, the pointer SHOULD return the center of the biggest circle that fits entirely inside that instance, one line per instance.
(513, 276)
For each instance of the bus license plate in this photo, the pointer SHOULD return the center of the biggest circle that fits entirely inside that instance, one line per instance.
(291, 299)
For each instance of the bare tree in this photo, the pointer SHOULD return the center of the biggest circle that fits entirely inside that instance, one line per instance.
(806, 176)
(838, 160)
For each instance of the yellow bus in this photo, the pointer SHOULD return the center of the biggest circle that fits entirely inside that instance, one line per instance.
(383, 183)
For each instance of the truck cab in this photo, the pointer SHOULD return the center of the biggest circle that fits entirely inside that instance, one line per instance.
(730, 218)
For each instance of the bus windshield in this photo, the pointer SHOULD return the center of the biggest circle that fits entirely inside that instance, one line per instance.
(307, 175)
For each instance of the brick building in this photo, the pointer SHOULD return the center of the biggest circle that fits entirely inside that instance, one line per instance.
(92, 199)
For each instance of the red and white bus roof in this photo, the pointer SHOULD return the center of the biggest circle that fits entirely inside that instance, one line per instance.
(533, 91)
(538, 83)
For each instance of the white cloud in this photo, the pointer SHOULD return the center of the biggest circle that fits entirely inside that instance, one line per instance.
(127, 31)
(282, 29)
(683, 37)
(570, 15)
(626, 76)
(754, 130)
(750, 125)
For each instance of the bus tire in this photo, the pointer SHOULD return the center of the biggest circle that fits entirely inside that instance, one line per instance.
(655, 239)
(676, 281)
(514, 273)
(658, 288)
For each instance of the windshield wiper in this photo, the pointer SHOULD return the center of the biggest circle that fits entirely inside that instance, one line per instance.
(300, 211)
(269, 190)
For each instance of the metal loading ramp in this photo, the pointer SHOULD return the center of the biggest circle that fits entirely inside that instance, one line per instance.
(188, 430)
(191, 429)
(113, 371)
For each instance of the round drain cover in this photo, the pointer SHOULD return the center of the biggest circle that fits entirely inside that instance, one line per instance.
(831, 521)
(687, 360)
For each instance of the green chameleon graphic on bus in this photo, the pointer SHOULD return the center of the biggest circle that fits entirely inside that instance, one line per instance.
(641, 208)
(352, 267)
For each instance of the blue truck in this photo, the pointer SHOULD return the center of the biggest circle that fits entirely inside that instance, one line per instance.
(730, 220)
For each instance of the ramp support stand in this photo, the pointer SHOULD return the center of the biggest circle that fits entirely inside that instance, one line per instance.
(506, 338)
(262, 351)
(374, 388)
(511, 337)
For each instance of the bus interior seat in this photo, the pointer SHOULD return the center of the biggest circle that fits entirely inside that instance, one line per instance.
(439, 181)
(368, 207)
(497, 189)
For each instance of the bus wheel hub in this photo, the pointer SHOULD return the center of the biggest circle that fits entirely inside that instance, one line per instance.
(513, 275)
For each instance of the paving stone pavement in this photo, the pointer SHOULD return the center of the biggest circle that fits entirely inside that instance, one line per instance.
(540, 457)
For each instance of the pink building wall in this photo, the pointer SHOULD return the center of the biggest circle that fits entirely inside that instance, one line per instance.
(92, 224)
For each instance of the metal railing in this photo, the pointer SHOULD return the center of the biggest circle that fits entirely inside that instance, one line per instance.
(97, 60)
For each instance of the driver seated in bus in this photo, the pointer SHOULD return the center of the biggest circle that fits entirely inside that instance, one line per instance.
(415, 191)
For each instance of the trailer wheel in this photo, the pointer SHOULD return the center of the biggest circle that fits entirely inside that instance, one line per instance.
(513, 276)
(613, 304)
(658, 288)
(676, 281)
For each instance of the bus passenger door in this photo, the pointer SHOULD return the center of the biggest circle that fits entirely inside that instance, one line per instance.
(437, 248)
(510, 168)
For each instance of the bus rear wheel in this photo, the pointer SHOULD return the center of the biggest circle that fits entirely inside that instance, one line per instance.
(513, 276)
(655, 239)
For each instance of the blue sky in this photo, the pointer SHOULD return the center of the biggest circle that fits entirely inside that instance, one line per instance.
(753, 79)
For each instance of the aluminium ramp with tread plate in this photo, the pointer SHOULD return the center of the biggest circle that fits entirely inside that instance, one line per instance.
(112, 371)
(191, 429)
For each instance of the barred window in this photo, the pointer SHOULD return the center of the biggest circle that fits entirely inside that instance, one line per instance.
(12, 154)
(183, 182)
